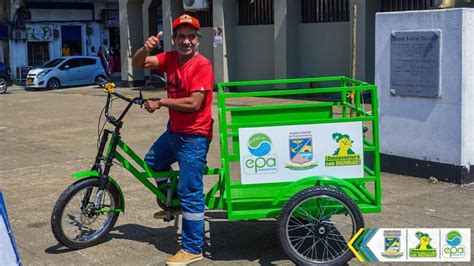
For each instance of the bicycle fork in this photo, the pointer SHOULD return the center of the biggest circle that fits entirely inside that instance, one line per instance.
(97, 166)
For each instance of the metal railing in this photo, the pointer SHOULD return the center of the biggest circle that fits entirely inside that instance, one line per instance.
(318, 11)
(403, 5)
(257, 12)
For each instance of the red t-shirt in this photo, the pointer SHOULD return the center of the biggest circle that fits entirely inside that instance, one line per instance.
(194, 75)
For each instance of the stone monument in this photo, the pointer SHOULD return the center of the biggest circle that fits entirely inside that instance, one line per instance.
(424, 69)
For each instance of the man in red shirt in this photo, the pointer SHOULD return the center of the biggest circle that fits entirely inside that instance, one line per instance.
(190, 80)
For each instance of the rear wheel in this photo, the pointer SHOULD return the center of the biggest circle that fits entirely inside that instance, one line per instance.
(53, 84)
(83, 215)
(3, 85)
(315, 225)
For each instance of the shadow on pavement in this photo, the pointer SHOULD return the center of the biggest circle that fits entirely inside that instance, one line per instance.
(164, 239)
(253, 241)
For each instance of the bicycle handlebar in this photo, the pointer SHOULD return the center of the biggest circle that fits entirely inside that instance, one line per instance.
(109, 88)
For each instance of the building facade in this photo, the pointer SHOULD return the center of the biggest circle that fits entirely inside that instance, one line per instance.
(271, 39)
(43, 30)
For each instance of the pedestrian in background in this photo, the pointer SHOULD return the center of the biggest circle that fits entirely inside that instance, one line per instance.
(103, 60)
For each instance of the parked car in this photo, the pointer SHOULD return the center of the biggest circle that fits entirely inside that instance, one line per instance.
(5, 77)
(66, 71)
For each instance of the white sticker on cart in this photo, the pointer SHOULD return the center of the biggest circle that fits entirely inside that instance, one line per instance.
(290, 153)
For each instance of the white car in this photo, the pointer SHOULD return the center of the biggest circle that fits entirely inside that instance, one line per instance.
(66, 71)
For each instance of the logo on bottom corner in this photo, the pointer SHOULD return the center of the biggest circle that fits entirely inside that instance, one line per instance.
(423, 249)
(392, 244)
(454, 248)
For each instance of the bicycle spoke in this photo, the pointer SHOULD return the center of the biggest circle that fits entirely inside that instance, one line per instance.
(81, 224)
(327, 215)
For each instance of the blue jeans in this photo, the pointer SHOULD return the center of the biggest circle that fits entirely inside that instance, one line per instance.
(190, 152)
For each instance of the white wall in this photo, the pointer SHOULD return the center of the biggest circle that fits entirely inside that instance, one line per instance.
(467, 118)
(324, 49)
(60, 15)
(434, 129)
(254, 49)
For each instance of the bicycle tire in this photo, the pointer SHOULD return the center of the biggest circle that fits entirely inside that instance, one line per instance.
(323, 236)
(63, 202)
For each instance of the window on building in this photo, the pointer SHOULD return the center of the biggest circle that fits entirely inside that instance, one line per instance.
(71, 37)
(38, 53)
(204, 16)
(318, 11)
(404, 5)
(255, 12)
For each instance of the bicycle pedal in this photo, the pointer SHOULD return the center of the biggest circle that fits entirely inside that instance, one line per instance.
(169, 218)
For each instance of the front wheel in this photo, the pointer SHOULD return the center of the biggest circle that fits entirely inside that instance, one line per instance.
(53, 84)
(83, 215)
(315, 225)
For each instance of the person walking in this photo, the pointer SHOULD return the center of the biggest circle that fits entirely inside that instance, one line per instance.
(103, 60)
(190, 80)
(93, 52)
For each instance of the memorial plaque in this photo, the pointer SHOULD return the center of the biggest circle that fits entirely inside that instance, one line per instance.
(415, 63)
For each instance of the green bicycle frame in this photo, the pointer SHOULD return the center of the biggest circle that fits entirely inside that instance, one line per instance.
(132, 164)
(258, 201)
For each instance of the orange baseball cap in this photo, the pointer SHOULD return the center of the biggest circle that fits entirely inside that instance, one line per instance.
(186, 19)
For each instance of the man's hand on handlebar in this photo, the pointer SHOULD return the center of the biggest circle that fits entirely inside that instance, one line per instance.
(152, 104)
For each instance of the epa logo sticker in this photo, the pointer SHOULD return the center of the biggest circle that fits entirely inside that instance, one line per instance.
(453, 249)
(260, 161)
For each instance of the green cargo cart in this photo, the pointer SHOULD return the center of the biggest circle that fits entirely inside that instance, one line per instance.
(302, 151)
(318, 212)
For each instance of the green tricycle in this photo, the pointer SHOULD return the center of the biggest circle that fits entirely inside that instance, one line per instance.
(303, 151)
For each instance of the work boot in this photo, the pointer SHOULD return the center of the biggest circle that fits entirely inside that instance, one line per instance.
(183, 258)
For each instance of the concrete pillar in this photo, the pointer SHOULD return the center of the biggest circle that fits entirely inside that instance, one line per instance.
(360, 39)
(131, 39)
(171, 10)
(224, 16)
(281, 43)
(146, 20)
(372, 7)
(286, 20)
(365, 56)
(146, 26)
